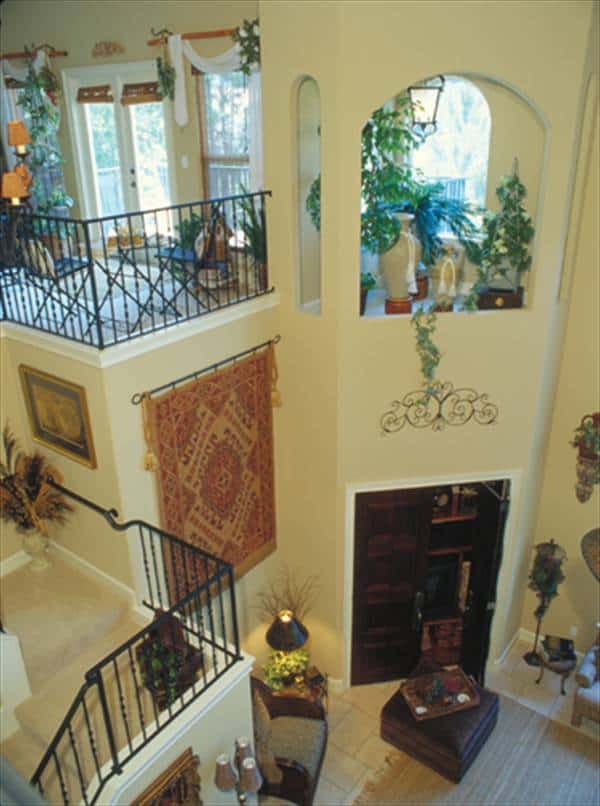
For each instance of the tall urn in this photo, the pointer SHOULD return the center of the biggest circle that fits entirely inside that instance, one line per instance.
(399, 265)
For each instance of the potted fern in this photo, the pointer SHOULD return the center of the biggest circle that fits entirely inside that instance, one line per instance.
(27, 499)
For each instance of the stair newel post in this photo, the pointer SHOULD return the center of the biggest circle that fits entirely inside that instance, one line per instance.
(94, 678)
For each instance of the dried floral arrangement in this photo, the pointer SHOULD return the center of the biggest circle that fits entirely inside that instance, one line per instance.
(25, 495)
(288, 591)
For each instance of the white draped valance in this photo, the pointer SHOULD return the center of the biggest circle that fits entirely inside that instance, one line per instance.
(7, 111)
(226, 62)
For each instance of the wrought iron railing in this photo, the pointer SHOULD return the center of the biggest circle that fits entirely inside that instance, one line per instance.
(127, 699)
(108, 280)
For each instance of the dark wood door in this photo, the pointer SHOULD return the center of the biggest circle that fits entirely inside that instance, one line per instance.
(390, 560)
(488, 535)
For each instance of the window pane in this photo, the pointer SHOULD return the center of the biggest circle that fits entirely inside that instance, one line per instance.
(457, 153)
(226, 97)
(150, 145)
(105, 156)
(226, 179)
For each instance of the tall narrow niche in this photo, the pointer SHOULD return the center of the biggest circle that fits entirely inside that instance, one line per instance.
(309, 201)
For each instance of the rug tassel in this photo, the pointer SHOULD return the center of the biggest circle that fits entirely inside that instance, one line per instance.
(276, 401)
(150, 460)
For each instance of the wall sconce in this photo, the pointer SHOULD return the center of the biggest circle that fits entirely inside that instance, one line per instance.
(286, 633)
(13, 188)
(18, 137)
(248, 777)
(424, 103)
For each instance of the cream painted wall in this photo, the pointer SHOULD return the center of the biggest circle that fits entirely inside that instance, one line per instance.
(307, 151)
(77, 26)
(560, 515)
(85, 533)
(352, 50)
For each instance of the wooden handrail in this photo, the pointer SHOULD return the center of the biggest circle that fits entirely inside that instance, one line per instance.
(222, 32)
(22, 55)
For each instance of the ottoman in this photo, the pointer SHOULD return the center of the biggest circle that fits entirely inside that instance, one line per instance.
(448, 744)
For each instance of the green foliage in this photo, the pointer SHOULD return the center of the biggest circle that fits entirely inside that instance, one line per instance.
(507, 234)
(188, 230)
(160, 667)
(247, 36)
(588, 435)
(424, 324)
(367, 280)
(166, 77)
(282, 667)
(253, 227)
(313, 203)
(546, 574)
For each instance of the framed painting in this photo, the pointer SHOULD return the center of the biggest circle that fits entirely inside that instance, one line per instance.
(58, 415)
(178, 785)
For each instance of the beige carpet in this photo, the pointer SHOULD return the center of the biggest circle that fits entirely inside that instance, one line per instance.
(528, 760)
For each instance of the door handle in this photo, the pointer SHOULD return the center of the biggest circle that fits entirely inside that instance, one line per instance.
(417, 618)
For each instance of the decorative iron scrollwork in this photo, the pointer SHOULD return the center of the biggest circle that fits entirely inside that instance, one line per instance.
(438, 407)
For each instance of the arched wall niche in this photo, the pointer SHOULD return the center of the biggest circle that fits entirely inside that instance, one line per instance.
(519, 129)
(308, 170)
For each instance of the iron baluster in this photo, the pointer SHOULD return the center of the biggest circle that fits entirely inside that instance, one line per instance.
(221, 607)
(95, 677)
(146, 568)
(156, 576)
(122, 703)
(90, 262)
(61, 780)
(236, 636)
(137, 693)
(210, 615)
(91, 737)
(198, 609)
(77, 764)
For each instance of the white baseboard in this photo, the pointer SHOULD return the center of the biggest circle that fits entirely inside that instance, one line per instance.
(16, 560)
(502, 657)
(87, 566)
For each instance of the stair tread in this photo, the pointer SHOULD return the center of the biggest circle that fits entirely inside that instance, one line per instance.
(42, 713)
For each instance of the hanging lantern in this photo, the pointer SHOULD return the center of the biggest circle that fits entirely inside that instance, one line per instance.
(424, 103)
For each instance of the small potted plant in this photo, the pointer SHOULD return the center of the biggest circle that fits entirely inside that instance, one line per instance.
(283, 668)
(27, 499)
(168, 664)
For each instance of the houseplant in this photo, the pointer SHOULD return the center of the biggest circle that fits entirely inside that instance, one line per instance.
(587, 441)
(253, 227)
(503, 254)
(168, 664)
(27, 499)
(544, 578)
(424, 324)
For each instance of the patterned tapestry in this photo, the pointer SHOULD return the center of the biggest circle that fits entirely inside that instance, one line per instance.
(213, 441)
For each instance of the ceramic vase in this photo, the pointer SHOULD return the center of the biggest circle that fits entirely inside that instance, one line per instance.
(35, 544)
(399, 264)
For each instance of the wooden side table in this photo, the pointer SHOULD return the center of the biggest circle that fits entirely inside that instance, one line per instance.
(306, 688)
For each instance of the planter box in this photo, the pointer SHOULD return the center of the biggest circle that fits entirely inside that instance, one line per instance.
(497, 300)
(398, 305)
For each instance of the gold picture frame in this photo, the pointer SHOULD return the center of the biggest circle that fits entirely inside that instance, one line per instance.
(58, 415)
(178, 785)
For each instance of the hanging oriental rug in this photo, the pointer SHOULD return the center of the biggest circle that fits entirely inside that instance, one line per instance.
(213, 442)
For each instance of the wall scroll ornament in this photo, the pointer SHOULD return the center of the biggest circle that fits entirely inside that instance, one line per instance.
(587, 441)
(438, 406)
(102, 50)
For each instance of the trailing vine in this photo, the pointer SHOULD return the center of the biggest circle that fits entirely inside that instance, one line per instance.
(166, 77)
(247, 36)
(424, 323)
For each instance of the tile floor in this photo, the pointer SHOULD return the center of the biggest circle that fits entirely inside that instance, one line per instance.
(355, 749)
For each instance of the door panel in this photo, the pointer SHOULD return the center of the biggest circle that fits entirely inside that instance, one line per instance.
(391, 538)
(487, 555)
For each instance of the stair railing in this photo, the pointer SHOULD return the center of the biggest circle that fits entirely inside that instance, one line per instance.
(123, 705)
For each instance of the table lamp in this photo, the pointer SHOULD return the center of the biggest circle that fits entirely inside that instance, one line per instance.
(248, 777)
(286, 633)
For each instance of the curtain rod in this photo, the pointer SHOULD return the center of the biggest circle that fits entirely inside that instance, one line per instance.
(222, 32)
(139, 396)
(22, 55)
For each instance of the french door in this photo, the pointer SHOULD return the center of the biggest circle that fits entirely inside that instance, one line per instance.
(123, 153)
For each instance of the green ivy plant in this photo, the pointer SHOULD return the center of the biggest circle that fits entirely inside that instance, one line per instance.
(160, 667)
(386, 140)
(424, 323)
(506, 238)
(247, 36)
(166, 77)
(282, 667)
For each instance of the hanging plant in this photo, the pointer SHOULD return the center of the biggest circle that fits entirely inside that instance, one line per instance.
(166, 77)
(424, 324)
(587, 441)
(504, 251)
(247, 36)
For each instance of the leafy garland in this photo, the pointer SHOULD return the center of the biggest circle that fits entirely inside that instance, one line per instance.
(166, 76)
(247, 36)
(424, 324)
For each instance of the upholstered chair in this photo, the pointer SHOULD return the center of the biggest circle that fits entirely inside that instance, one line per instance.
(587, 696)
(290, 737)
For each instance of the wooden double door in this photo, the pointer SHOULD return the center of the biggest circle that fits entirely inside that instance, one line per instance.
(397, 535)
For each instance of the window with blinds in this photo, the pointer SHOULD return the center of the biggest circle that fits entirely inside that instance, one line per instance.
(223, 105)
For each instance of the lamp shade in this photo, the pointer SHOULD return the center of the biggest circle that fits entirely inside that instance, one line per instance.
(242, 747)
(18, 134)
(286, 632)
(250, 777)
(13, 187)
(225, 778)
(424, 102)
(590, 548)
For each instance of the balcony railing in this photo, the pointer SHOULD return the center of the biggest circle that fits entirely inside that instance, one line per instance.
(108, 280)
(133, 693)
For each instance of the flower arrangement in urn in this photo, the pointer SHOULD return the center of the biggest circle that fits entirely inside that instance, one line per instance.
(27, 499)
